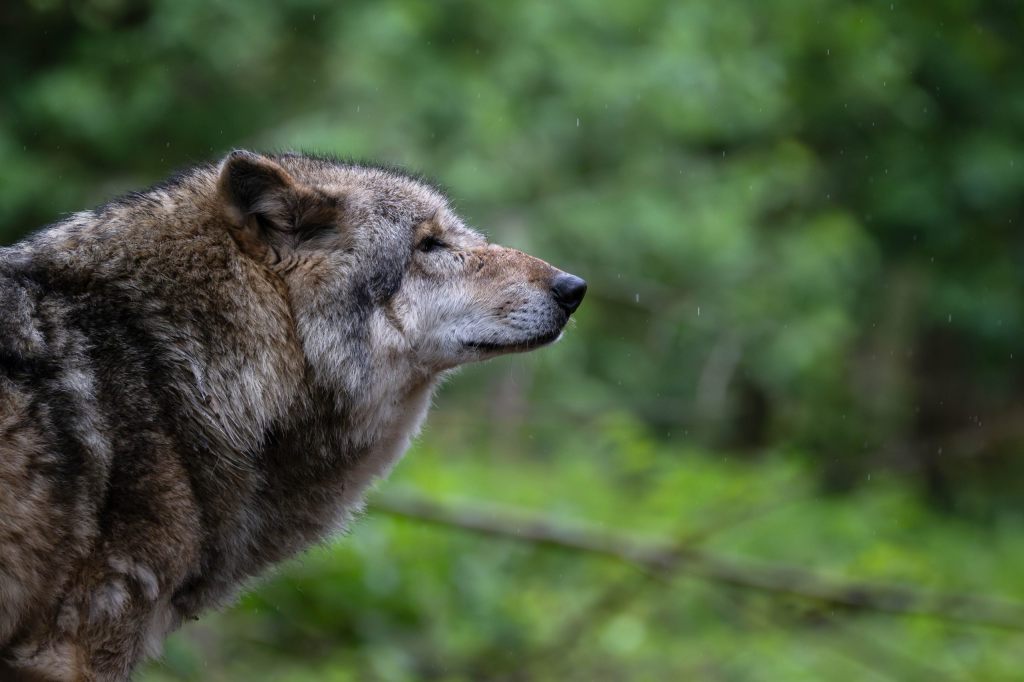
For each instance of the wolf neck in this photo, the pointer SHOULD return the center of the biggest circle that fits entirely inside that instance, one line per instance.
(376, 413)
(219, 324)
(319, 465)
(387, 430)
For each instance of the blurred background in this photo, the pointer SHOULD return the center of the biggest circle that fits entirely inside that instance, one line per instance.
(782, 440)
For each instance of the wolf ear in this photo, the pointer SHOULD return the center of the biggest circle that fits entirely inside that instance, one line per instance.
(270, 213)
(254, 186)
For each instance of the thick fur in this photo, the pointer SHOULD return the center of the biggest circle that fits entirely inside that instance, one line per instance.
(200, 380)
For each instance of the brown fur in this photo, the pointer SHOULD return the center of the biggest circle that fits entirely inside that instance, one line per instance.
(201, 380)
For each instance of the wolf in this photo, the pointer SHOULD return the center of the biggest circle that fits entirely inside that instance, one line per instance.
(200, 380)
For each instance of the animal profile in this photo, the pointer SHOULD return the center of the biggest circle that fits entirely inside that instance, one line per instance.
(200, 380)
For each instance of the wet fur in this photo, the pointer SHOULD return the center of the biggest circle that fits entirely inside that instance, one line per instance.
(200, 380)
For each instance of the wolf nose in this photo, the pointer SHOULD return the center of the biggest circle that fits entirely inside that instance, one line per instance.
(568, 291)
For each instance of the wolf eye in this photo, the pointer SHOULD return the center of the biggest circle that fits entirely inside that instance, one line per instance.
(431, 244)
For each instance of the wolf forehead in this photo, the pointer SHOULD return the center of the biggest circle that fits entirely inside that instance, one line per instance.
(374, 190)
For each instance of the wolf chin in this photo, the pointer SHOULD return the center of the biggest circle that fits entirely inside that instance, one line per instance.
(201, 379)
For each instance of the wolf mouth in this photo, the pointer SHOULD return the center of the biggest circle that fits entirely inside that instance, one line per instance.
(529, 344)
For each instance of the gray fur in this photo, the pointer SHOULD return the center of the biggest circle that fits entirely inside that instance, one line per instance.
(200, 380)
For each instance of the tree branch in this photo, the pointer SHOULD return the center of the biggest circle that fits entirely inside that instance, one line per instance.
(666, 559)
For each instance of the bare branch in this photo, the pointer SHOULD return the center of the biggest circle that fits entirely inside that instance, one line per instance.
(666, 559)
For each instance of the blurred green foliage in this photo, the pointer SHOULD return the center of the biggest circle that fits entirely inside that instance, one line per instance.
(800, 221)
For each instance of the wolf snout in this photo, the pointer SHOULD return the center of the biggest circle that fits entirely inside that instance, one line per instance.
(568, 291)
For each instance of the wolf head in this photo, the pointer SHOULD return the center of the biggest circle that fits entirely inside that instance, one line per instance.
(379, 269)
